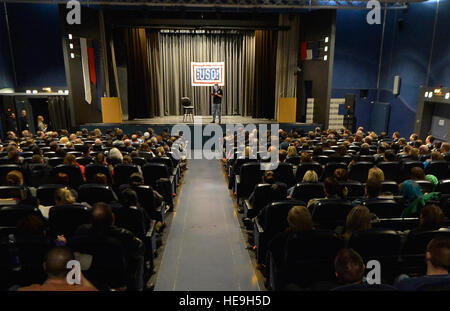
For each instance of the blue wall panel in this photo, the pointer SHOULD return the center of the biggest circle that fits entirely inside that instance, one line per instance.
(6, 76)
(37, 45)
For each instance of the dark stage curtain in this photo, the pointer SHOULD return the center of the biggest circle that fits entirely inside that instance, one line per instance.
(138, 75)
(58, 108)
(265, 73)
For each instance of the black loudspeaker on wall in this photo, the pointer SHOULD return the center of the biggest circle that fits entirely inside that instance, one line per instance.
(350, 103)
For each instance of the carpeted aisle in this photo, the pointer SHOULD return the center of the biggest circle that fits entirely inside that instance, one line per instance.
(205, 249)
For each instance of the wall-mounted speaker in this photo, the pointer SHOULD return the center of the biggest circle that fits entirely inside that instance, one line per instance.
(397, 82)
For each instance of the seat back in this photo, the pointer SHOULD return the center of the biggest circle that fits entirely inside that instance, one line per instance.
(425, 185)
(307, 166)
(444, 186)
(309, 256)
(293, 160)
(250, 175)
(10, 215)
(5, 169)
(65, 219)
(276, 216)
(109, 265)
(307, 191)
(389, 186)
(73, 171)
(322, 159)
(139, 161)
(406, 168)
(122, 173)
(416, 244)
(55, 161)
(93, 169)
(438, 168)
(330, 213)
(355, 188)
(164, 160)
(17, 192)
(131, 219)
(46, 193)
(383, 208)
(285, 173)
(359, 171)
(93, 193)
(330, 167)
(376, 243)
(154, 171)
(391, 170)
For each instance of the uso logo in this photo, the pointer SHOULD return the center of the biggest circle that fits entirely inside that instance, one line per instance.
(207, 74)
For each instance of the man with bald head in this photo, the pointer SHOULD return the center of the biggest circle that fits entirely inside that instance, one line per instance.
(55, 266)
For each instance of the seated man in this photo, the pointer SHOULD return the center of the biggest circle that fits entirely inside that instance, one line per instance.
(55, 267)
(103, 224)
(438, 262)
(331, 189)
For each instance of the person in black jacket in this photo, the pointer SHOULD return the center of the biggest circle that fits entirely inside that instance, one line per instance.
(103, 225)
(23, 121)
(12, 123)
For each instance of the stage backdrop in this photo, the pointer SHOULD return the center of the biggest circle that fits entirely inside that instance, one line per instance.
(178, 50)
(159, 70)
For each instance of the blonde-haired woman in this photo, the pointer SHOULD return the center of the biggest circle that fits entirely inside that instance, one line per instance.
(376, 173)
(40, 124)
(64, 196)
(358, 219)
(292, 152)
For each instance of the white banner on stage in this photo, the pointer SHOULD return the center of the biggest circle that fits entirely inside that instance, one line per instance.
(208, 74)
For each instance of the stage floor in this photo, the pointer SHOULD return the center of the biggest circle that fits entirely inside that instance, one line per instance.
(200, 119)
(163, 123)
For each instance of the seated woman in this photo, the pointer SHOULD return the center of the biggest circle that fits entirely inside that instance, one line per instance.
(27, 195)
(431, 218)
(358, 219)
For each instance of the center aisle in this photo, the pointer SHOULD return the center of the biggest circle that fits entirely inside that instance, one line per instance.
(205, 249)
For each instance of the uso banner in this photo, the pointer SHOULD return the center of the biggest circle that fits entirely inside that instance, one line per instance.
(207, 74)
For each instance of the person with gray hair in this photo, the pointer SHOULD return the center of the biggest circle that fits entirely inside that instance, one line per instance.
(115, 156)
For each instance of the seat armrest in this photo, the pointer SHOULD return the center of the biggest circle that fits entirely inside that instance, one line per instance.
(247, 207)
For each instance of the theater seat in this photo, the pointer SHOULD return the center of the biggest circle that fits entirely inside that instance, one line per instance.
(93, 193)
(6, 168)
(46, 193)
(355, 189)
(73, 171)
(122, 173)
(65, 219)
(10, 215)
(308, 258)
(308, 166)
(307, 191)
(391, 170)
(388, 186)
(359, 171)
(93, 169)
(406, 169)
(425, 185)
(272, 221)
(330, 167)
(285, 173)
(383, 208)
(438, 169)
(414, 249)
(330, 213)
(378, 244)
(249, 176)
(109, 265)
(157, 176)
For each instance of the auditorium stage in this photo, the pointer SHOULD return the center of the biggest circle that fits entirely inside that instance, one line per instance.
(161, 123)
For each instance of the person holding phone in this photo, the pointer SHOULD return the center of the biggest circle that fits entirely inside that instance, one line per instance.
(217, 95)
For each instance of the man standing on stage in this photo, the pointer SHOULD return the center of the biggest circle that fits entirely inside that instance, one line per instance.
(217, 101)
